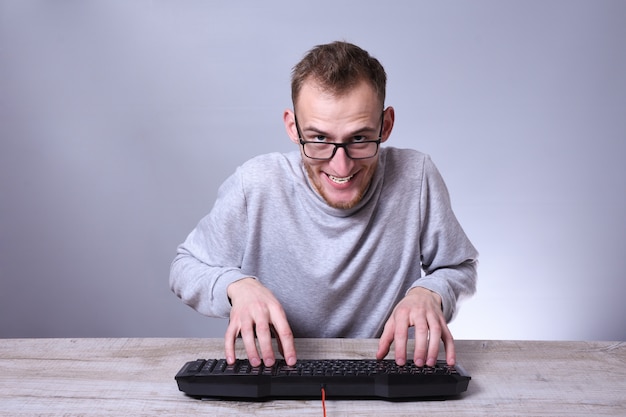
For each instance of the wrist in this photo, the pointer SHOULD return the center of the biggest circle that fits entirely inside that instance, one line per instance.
(235, 287)
(429, 293)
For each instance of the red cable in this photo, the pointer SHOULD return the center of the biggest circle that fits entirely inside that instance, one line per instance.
(324, 401)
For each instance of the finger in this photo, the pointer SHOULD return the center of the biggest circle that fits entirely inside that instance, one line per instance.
(421, 342)
(285, 340)
(229, 343)
(401, 336)
(385, 340)
(264, 337)
(249, 342)
(434, 337)
(279, 344)
(448, 345)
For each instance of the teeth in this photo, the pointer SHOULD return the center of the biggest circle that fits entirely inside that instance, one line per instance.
(340, 180)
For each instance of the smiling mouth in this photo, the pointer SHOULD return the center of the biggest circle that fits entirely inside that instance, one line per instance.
(340, 180)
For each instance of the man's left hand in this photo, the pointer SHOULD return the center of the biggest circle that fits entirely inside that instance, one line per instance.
(421, 309)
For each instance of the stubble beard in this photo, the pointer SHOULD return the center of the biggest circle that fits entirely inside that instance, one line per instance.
(320, 190)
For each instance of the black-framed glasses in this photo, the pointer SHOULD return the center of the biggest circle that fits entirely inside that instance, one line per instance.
(324, 151)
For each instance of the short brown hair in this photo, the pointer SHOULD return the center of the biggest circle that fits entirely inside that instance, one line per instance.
(338, 67)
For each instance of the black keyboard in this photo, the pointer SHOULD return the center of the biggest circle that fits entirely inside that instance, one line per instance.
(360, 378)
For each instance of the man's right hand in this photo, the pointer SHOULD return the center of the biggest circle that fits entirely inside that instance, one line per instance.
(255, 313)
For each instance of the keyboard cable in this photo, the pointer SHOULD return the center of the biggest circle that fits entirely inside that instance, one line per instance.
(323, 400)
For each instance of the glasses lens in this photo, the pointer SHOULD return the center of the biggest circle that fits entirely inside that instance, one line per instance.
(362, 150)
(319, 150)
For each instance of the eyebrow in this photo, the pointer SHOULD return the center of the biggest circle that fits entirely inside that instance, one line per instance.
(357, 132)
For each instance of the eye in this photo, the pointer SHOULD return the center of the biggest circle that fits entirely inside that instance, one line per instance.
(319, 138)
(359, 138)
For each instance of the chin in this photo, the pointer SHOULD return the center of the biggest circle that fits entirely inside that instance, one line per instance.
(341, 203)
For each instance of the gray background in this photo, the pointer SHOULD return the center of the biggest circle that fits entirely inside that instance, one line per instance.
(119, 120)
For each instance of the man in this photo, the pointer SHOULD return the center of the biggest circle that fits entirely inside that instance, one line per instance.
(343, 238)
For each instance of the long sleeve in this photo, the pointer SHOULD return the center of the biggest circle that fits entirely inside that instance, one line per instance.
(210, 258)
(449, 259)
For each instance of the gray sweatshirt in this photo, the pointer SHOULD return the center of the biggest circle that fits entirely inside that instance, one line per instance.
(336, 272)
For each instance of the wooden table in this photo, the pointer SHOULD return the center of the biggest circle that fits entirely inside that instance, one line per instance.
(135, 377)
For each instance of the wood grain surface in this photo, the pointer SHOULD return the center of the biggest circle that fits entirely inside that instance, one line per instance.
(135, 377)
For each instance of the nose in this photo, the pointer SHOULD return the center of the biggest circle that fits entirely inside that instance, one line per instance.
(341, 164)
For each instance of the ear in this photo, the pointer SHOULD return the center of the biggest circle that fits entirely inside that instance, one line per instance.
(289, 119)
(388, 120)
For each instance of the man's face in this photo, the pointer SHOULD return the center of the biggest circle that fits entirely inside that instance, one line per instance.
(354, 116)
